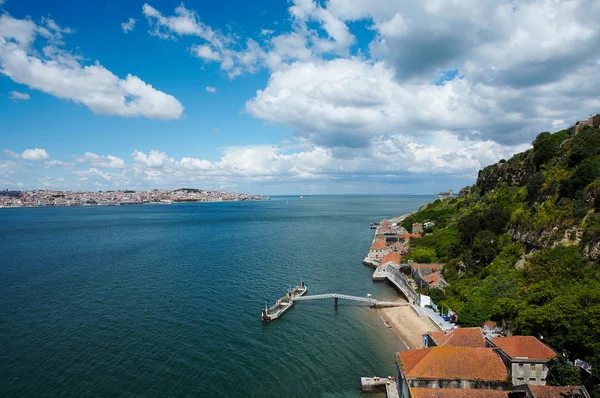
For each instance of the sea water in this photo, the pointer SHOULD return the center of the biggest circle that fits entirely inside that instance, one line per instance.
(165, 300)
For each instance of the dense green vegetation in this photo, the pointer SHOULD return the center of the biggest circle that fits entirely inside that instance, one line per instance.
(560, 373)
(522, 245)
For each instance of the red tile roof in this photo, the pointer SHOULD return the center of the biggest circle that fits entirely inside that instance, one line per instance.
(410, 236)
(524, 347)
(394, 257)
(460, 337)
(449, 362)
(455, 393)
(554, 392)
(433, 279)
(379, 244)
(489, 324)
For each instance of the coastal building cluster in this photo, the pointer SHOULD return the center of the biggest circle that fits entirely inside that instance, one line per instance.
(477, 362)
(37, 198)
(453, 361)
(390, 237)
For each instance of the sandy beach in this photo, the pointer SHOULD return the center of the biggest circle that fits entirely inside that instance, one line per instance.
(408, 325)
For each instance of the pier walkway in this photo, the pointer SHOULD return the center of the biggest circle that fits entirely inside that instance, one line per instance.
(336, 296)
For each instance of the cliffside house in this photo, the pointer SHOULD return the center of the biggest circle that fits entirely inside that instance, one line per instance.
(435, 281)
(406, 237)
(378, 250)
(417, 228)
(446, 195)
(592, 121)
(428, 276)
(525, 357)
(450, 367)
(459, 337)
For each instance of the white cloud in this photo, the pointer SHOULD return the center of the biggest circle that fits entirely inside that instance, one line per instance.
(206, 53)
(128, 26)
(35, 154)
(233, 58)
(58, 163)
(109, 161)
(92, 172)
(390, 158)
(511, 64)
(18, 96)
(154, 159)
(211, 89)
(183, 23)
(62, 75)
(22, 31)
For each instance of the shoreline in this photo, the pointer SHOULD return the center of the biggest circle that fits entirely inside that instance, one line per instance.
(405, 321)
(138, 204)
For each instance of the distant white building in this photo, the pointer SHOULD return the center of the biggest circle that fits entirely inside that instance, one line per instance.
(446, 195)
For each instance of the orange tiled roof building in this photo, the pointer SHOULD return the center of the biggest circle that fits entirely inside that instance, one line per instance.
(392, 257)
(525, 357)
(448, 367)
(459, 337)
(378, 250)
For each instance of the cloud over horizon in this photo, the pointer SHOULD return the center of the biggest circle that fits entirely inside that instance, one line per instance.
(377, 91)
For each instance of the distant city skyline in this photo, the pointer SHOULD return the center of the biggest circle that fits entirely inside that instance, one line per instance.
(298, 97)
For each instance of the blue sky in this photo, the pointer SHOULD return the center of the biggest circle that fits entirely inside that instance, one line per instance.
(285, 97)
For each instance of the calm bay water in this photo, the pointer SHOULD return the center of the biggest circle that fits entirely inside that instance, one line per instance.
(165, 300)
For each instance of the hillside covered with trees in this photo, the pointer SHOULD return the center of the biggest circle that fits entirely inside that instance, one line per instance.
(522, 245)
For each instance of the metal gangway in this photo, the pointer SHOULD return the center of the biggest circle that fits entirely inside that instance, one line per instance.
(337, 296)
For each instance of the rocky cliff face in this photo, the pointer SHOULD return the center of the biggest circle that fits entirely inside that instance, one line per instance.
(513, 173)
(551, 237)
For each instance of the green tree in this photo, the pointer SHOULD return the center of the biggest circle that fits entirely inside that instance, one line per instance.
(485, 247)
(561, 373)
(506, 310)
(437, 295)
(534, 185)
(546, 146)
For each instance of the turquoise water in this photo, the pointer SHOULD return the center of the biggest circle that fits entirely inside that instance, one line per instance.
(164, 300)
